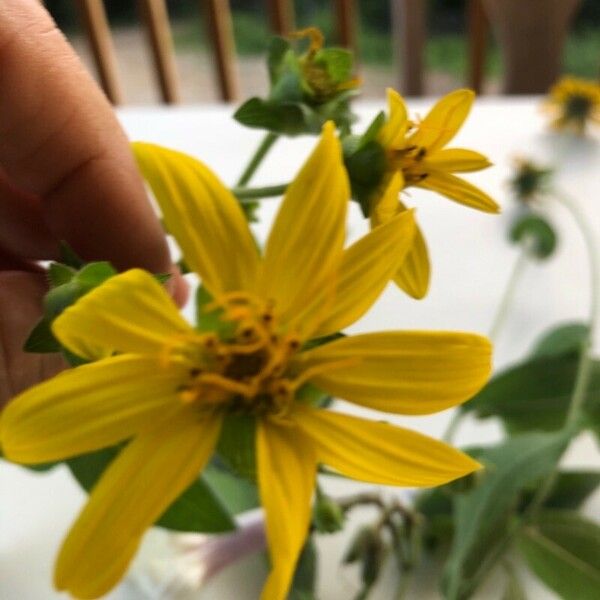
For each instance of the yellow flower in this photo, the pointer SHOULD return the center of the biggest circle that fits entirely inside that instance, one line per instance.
(168, 387)
(418, 156)
(574, 102)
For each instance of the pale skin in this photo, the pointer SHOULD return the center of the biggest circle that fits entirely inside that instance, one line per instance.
(66, 173)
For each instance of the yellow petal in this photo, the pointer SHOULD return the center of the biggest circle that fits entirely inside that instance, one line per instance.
(456, 160)
(459, 190)
(306, 241)
(133, 493)
(286, 479)
(367, 267)
(204, 217)
(393, 131)
(87, 408)
(381, 453)
(443, 121)
(402, 372)
(414, 273)
(130, 312)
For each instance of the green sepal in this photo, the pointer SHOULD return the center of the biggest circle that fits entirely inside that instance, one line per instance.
(304, 583)
(237, 445)
(366, 166)
(198, 509)
(69, 257)
(59, 274)
(278, 54)
(338, 62)
(539, 230)
(41, 339)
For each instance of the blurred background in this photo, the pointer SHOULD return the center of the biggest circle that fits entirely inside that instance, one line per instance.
(378, 34)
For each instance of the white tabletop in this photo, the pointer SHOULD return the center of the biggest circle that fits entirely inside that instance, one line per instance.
(471, 262)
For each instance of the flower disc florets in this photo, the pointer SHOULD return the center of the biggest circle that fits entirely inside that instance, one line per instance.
(245, 368)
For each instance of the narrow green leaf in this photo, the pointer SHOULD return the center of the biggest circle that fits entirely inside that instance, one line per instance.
(563, 549)
(41, 339)
(198, 509)
(570, 490)
(481, 515)
(276, 53)
(69, 257)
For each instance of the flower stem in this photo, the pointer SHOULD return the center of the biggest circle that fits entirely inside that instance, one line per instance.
(262, 150)
(250, 194)
(510, 289)
(584, 367)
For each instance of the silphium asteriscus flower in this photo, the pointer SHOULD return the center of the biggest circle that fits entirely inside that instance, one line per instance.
(416, 154)
(574, 103)
(167, 387)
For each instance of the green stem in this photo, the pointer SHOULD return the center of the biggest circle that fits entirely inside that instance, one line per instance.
(262, 150)
(510, 289)
(584, 367)
(250, 194)
(452, 428)
(580, 387)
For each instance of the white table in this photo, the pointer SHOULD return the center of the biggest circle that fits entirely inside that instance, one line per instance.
(471, 262)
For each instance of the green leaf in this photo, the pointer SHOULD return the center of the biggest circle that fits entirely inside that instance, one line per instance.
(59, 274)
(566, 338)
(482, 514)
(305, 577)
(563, 549)
(536, 394)
(570, 490)
(287, 119)
(537, 228)
(41, 339)
(198, 509)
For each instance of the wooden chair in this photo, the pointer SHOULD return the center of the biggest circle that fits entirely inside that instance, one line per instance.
(408, 24)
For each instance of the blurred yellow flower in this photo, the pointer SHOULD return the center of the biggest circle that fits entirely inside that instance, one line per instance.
(574, 102)
(417, 156)
(168, 387)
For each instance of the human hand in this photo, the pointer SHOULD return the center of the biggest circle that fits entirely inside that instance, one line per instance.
(66, 173)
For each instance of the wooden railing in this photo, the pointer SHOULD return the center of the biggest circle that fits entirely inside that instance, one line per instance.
(408, 30)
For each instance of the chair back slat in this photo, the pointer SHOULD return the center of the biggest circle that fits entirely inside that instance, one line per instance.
(156, 20)
(408, 31)
(345, 12)
(220, 31)
(478, 30)
(281, 16)
(95, 23)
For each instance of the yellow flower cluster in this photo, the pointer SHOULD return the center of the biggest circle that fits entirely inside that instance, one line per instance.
(574, 103)
(166, 388)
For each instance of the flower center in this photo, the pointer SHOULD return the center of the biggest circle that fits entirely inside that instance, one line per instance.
(578, 107)
(409, 160)
(244, 367)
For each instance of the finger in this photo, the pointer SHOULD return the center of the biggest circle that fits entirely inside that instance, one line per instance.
(21, 297)
(62, 142)
(23, 230)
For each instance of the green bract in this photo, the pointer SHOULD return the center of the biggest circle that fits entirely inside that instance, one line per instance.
(306, 90)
